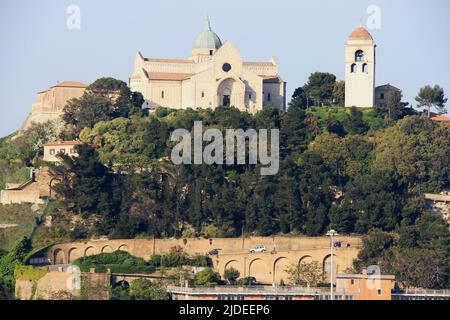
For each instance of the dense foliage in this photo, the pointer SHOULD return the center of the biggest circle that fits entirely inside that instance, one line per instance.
(353, 169)
(121, 261)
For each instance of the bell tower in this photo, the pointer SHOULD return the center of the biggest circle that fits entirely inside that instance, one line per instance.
(360, 69)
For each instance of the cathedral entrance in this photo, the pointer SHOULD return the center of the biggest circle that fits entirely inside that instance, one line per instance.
(226, 100)
(231, 92)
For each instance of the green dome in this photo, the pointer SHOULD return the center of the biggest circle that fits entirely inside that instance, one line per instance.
(207, 39)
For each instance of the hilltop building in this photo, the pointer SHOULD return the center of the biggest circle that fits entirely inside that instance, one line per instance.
(383, 93)
(360, 69)
(215, 74)
(49, 104)
(53, 149)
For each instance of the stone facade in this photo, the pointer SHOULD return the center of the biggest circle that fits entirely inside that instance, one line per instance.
(382, 94)
(49, 104)
(52, 150)
(214, 75)
(268, 267)
(63, 283)
(360, 69)
(32, 191)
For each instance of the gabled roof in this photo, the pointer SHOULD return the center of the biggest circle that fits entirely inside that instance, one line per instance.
(386, 86)
(169, 60)
(75, 84)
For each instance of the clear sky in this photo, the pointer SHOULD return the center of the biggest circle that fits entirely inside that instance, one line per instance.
(37, 48)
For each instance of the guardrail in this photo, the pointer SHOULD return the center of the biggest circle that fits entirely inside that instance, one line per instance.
(252, 290)
(423, 292)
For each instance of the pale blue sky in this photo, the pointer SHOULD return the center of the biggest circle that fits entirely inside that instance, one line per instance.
(37, 49)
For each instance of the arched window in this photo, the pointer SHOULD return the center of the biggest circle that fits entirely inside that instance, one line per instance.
(359, 55)
(162, 94)
(203, 94)
(353, 68)
(365, 68)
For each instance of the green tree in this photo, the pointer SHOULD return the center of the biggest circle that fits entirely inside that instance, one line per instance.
(339, 93)
(144, 289)
(305, 274)
(231, 275)
(417, 150)
(374, 244)
(394, 109)
(354, 123)
(414, 267)
(429, 97)
(206, 278)
(320, 87)
(103, 100)
(299, 99)
(81, 180)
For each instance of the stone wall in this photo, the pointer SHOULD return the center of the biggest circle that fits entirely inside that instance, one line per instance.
(267, 267)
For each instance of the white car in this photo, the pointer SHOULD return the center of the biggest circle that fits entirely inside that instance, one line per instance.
(258, 249)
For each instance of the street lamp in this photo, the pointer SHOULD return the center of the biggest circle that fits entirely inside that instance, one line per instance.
(331, 233)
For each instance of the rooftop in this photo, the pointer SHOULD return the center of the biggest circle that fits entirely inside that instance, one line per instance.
(360, 33)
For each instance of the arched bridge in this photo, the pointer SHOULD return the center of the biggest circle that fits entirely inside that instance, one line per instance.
(266, 267)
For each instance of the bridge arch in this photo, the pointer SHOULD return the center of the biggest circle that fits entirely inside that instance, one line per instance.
(73, 254)
(257, 269)
(121, 283)
(279, 269)
(326, 266)
(58, 256)
(89, 251)
(231, 264)
(107, 249)
(305, 259)
(123, 247)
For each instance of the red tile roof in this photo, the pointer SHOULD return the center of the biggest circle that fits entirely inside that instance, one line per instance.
(440, 118)
(360, 34)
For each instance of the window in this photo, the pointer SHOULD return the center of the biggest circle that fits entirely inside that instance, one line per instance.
(382, 95)
(352, 282)
(203, 94)
(162, 94)
(353, 68)
(226, 67)
(249, 96)
(63, 151)
(365, 68)
(52, 151)
(359, 55)
(379, 292)
(211, 52)
(268, 97)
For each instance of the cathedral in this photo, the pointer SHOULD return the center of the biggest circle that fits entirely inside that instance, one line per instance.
(214, 75)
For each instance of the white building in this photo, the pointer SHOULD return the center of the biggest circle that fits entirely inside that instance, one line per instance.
(360, 69)
(214, 75)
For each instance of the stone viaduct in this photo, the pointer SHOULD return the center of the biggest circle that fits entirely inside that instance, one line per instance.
(267, 267)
